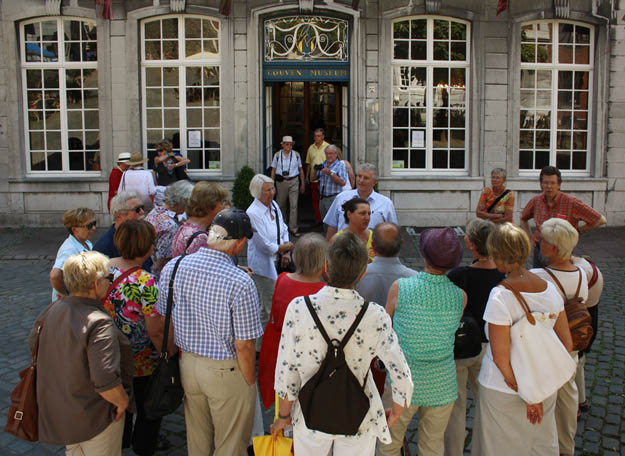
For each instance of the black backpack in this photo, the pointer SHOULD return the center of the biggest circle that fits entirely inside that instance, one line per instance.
(333, 400)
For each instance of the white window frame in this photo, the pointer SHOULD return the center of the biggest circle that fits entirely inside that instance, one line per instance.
(555, 68)
(61, 65)
(430, 64)
(182, 63)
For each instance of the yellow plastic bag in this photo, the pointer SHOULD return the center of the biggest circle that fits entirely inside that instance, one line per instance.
(266, 445)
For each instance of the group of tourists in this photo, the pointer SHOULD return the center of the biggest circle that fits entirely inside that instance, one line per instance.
(307, 307)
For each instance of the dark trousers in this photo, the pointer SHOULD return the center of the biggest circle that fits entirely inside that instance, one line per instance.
(144, 434)
(539, 260)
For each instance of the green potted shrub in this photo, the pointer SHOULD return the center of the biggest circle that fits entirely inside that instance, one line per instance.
(241, 196)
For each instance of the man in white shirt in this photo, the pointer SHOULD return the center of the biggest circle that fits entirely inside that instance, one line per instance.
(286, 170)
(382, 209)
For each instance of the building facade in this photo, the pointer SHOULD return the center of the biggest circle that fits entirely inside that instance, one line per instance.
(436, 93)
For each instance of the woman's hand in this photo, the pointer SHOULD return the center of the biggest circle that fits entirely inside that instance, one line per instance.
(278, 425)
(535, 413)
(285, 260)
(511, 382)
(394, 414)
(287, 246)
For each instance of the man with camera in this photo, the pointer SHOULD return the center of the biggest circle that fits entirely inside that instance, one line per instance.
(332, 175)
(286, 168)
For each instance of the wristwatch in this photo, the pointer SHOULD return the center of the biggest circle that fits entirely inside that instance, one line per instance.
(332, 174)
(285, 417)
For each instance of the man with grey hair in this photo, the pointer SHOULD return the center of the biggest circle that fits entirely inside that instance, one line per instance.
(126, 205)
(385, 267)
(382, 209)
(216, 320)
(332, 175)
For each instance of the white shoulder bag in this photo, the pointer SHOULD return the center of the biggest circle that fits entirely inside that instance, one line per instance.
(540, 362)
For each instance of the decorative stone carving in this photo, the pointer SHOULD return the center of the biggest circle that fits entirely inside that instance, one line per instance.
(53, 7)
(562, 8)
(306, 6)
(433, 6)
(177, 6)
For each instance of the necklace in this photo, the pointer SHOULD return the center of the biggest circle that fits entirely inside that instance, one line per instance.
(517, 270)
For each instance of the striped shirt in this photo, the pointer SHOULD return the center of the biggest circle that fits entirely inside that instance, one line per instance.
(215, 303)
(327, 186)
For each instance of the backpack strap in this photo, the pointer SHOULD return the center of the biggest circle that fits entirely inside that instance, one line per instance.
(559, 284)
(191, 238)
(322, 330)
(595, 273)
(522, 301)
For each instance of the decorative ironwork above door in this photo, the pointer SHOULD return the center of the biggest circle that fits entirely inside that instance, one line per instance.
(306, 38)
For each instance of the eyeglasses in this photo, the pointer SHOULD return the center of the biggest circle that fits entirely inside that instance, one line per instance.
(88, 225)
(138, 209)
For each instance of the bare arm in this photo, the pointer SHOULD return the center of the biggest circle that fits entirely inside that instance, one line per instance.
(181, 160)
(331, 232)
(508, 216)
(526, 226)
(499, 336)
(246, 357)
(563, 332)
(273, 174)
(56, 280)
(391, 299)
(302, 181)
(118, 397)
(154, 325)
(587, 227)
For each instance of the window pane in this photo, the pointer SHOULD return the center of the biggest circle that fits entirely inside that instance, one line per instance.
(170, 77)
(582, 34)
(418, 50)
(579, 160)
(74, 140)
(170, 28)
(543, 119)
(153, 50)
(580, 120)
(38, 161)
(441, 50)
(439, 158)
(92, 120)
(527, 119)
(542, 159)
(565, 80)
(525, 159)
(543, 139)
(400, 50)
(153, 30)
(194, 118)
(172, 118)
(565, 54)
(401, 29)
(582, 55)
(581, 100)
(170, 50)
(400, 158)
(417, 117)
(458, 51)
(526, 139)
(563, 159)
(440, 118)
(456, 159)
(418, 29)
(579, 140)
(210, 29)
(33, 79)
(528, 53)
(457, 118)
(566, 33)
(457, 139)
(440, 138)
(400, 117)
(193, 49)
(543, 53)
(441, 29)
(417, 158)
(211, 117)
(193, 28)
(581, 80)
(458, 31)
(211, 97)
(564, 120)
(543, 79)
(153, 77)
(196, 159)
(564, 140)
(400, 137)
(55, 161)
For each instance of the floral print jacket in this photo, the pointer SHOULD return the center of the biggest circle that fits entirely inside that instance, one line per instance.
(130, 303)
(302, 350)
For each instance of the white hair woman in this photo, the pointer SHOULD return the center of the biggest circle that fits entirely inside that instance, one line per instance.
(558, 240)
(266, 246)
(84, 364)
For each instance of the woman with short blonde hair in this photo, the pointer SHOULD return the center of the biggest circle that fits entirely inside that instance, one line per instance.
(504, 423)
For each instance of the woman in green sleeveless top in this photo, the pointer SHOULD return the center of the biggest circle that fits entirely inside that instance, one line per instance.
(426, 311)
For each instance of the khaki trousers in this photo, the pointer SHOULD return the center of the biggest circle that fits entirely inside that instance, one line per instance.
(566, 416)
(432, 424)
(466, 370)
(106, 443)
(288, 189)
(580, 379)
(304, 445)
(218, 406)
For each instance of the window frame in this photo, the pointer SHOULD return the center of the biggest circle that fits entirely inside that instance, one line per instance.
(430, 64)
(555, 67)
(62, 65)
(182, 63)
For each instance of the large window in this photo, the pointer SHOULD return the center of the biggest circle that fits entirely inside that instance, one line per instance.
(555, 98)
(60, 90)
(181, 88)
(430, 76)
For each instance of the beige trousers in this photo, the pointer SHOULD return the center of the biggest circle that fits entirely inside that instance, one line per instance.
(566, 416)
(304, 445)
(432, 424)
(288, 189)
(218, 406)
(466, 370)
(580, 379)
(106, 443)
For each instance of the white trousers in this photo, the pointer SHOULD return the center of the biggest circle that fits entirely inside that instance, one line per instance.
(339, 446)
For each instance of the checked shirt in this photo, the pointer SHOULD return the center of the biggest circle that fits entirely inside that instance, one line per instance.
(214, 303)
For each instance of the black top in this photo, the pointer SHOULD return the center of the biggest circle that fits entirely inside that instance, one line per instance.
(477, 283)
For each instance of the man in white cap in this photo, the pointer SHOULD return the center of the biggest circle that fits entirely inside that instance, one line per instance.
(286, 171)
(116, 175)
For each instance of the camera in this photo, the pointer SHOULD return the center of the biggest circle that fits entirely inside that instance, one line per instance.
(285, 173)
(318, 167)
(279, 178)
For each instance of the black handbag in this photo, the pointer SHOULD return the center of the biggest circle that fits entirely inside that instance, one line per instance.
(164, 392)
(289, 267)
(468, 340)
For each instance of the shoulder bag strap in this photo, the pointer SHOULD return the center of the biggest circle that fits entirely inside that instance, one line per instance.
(275, 210)
(317, 321)
(499, 198)
(120, 278)
(579, 283)
(522, 301)
(191, 238)
(595, 273)
(355, 324)
(170, 303)
(553, 276)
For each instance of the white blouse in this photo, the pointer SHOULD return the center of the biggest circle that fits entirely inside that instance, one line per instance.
(262, 248)
(302, 350)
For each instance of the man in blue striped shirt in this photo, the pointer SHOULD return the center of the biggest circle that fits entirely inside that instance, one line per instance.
(216, 320)
(332, 177)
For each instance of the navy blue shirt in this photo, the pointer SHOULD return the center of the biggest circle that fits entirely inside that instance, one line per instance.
(106, 245)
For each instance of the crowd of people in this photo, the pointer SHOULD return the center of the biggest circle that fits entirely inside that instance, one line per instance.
(262, 332)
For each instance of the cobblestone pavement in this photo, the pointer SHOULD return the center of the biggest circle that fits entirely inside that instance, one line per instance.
(26, 257)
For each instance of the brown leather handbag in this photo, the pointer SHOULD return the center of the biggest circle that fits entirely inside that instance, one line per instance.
(580, 321)
(23, 419)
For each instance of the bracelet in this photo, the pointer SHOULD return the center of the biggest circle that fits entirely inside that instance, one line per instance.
(286, 417)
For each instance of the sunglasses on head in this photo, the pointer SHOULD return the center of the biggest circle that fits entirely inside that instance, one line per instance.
(88, 225)
(138, 209)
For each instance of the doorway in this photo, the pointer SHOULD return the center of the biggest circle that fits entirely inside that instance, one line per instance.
(297, 109)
